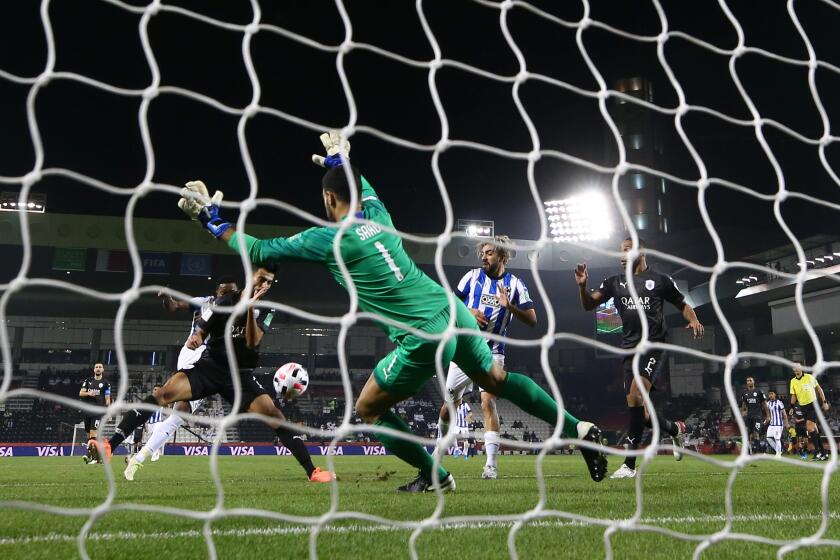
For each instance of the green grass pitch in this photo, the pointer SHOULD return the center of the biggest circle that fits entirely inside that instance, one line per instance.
(773, 500)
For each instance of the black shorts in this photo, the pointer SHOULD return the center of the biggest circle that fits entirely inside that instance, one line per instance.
(754, 424)
(801, 430)
(208, 377)
(92, 423)
(652, 365)
(809, 411)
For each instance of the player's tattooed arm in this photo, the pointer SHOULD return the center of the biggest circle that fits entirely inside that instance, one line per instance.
(589, 300)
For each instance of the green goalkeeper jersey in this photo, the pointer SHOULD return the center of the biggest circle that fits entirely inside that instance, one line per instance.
(387, 281)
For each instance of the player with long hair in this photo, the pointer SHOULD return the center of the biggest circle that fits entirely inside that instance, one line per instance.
(494, 296)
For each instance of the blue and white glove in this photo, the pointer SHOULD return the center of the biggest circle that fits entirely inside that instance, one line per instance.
(196, 204)
(335, 145)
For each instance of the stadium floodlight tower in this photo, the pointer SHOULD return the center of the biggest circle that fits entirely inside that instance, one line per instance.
(477, 228)
(583, 217)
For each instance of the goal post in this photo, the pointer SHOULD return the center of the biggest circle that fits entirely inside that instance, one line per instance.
(433, 61)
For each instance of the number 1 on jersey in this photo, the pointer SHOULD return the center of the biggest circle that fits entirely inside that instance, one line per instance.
(388, 259)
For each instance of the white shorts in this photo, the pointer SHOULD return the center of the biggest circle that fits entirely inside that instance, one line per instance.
(462, 432)
(457, 382)
(774, 432)
(188, 357)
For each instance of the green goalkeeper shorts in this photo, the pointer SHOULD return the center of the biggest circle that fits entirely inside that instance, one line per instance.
(407, 368)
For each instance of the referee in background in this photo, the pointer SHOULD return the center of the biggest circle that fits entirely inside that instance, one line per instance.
(804, 390)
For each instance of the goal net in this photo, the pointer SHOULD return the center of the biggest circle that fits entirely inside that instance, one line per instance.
(423, 84)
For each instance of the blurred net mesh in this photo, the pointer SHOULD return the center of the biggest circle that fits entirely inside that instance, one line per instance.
(539, 514)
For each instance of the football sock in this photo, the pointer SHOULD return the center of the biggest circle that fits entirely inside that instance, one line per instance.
(443, 427)
(665, 425)
(634, 433)
(130, 422)
(161, 434)
(294, 444)
(530, 397)
(774, 443)
(491, 447)
(412, 453)
(815, 439)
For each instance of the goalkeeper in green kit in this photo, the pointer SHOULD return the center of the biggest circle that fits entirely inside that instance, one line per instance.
(389, 284)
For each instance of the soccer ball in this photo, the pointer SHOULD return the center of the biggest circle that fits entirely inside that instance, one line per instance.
(291, 381)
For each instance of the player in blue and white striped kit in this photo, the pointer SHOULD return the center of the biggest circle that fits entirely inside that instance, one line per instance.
(778, 421)
(494, 296)
(463, 417)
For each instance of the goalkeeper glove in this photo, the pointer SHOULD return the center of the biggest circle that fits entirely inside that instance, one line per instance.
(792, 432)
(335, 145)
(196, 204)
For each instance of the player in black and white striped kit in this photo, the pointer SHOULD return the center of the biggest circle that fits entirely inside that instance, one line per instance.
(777, 422)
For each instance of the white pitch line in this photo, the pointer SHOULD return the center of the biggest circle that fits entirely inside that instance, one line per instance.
(681, 474)
(281, 531)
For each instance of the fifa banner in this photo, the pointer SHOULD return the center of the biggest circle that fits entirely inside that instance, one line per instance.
(195, 450)
(120, 261)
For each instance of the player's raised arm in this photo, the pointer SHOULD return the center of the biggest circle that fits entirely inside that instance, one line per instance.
(171, 304)
(589, 300)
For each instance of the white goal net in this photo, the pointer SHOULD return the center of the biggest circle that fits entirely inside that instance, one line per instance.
(338, 108)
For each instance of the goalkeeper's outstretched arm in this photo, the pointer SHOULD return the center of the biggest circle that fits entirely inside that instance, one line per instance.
(310, 245)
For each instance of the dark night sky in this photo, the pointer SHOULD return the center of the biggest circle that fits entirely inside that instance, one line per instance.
(96, 133)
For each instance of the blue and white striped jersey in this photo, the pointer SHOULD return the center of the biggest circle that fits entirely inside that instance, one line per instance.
(479, 291)
(462, 415)
(776, 412)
